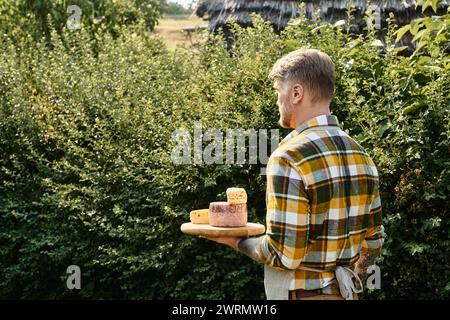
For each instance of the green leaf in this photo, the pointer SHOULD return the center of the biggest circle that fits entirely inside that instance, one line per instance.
(418, 3)
(401, 32)
(415, 26)
(426, 5)
(415, 107)
(422, 43)
(447, 287)
(318, 28)
(434, 4)
(420, 34)
(384, 126)
(401, 48)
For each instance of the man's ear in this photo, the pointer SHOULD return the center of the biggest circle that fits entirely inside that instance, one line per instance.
(297, 93)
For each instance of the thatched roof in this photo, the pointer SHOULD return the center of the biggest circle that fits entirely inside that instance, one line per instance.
(219, 12)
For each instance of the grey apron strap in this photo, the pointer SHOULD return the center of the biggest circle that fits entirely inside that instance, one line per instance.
(344, 277)
(277, 283)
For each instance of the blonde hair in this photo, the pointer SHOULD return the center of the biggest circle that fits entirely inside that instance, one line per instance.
(311, 68)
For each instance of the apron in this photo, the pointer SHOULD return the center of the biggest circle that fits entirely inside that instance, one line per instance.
(277, 282)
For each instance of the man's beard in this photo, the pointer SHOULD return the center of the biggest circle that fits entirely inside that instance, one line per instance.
(286, 116)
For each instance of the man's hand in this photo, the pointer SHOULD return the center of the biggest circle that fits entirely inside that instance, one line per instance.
(229, 241)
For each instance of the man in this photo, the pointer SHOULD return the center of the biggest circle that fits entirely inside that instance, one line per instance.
(323, 205)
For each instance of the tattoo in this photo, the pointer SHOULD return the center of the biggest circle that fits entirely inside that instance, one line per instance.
(365, 261)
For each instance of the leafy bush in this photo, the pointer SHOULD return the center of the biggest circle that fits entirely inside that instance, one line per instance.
(176, 9)
(23, 18)
(85, 140)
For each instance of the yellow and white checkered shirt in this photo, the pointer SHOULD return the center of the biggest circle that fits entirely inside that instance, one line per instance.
(323, 203)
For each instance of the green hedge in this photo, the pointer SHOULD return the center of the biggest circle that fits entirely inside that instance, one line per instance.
(86, 176)
(25, 19)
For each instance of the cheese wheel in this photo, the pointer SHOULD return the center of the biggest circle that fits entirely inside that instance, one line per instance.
(223, 214)
(199, 216)
(236, 195)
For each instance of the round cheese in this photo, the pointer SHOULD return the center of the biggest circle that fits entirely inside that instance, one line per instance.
(236, 196)
(199, 216)
(223, 214)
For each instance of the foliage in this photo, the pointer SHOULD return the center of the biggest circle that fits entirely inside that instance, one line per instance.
(174, 8)
(24, 19)
(85, 141)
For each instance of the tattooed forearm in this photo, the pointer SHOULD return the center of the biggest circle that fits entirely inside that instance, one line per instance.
(365, 260)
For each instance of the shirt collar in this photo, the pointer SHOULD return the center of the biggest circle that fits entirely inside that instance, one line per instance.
(323, 120)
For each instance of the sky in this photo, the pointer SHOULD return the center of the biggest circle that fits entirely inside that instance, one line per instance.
(184, 3)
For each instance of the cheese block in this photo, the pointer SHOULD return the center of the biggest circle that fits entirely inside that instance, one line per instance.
(223, 214)
(199, 216)
(236, 195)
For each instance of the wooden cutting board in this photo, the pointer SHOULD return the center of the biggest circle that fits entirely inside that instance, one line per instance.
(205, 230)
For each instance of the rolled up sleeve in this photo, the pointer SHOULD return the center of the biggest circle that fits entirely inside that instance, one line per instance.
(375, 234)
(285, 242)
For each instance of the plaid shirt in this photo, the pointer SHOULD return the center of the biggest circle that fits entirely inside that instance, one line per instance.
(323, 203)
